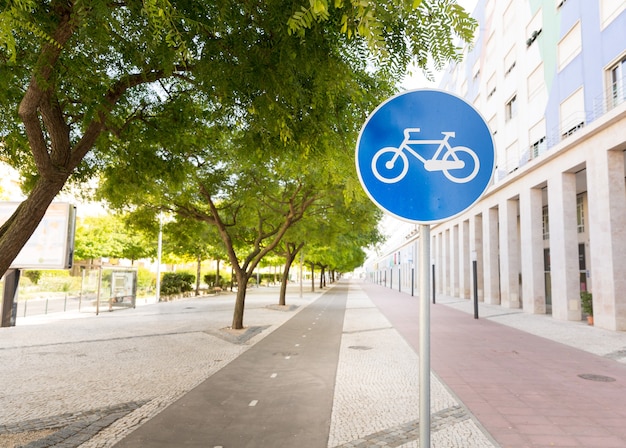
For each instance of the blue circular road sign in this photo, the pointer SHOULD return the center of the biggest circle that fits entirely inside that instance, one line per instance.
(425, 156)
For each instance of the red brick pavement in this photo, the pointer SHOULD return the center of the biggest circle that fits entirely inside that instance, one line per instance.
(524, 389)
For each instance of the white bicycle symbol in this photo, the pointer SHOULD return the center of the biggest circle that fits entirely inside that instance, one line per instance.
(444, 161)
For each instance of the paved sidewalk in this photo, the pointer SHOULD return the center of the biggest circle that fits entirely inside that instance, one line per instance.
(76, 379)
(169, 374)
(98, 381)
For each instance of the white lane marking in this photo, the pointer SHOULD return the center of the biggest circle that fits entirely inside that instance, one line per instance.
(253, 403)
(273, 375)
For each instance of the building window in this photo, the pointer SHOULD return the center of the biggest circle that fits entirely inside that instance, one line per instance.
(535, 82)
(512, 157)
(476, 102)
(533, 37)
(538, 147)
(572, 113)
(580, 214)
(493, 125)
(617, 78)
(490, 48)
(533, 29)
(545, 223)
(569, 46)
(537, 135)
(476, 70)
(508, 18)
(609, 10)
(491, 86)
(509, 61)
(510, 110)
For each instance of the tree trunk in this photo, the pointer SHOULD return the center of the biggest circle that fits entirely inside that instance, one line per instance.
(217, 274)
(283, 281)
(291, 250)
(312, 277)
(322, 273)
(240, 300)
(198, 273)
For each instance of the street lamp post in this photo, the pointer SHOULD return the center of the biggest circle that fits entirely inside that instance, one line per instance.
(159, 250)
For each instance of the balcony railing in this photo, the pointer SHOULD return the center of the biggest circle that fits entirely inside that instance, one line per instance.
(613, 97)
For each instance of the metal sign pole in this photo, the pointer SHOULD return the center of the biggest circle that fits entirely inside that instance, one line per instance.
(399, 179)
(424, 337)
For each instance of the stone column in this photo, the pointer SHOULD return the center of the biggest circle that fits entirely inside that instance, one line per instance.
(509, 254)
(564, 247)
(531, 238)
(454, 261)
(439, 264)
(607, 238)
(476, 245)
(490, 255)
(465, 262)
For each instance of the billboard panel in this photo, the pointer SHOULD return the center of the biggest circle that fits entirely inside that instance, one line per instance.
(52, 244)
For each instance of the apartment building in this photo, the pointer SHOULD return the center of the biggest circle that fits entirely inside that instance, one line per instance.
(548, 77)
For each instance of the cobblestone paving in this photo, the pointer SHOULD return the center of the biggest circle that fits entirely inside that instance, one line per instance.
(399, 435)
(131, 364)
(377, 389)
(70, 430)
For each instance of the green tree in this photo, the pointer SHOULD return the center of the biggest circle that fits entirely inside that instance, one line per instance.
(342, 231)
(252, 204)
(193, 240)
(289, 249)
(73, 72)
(111, 236)
(334, 232)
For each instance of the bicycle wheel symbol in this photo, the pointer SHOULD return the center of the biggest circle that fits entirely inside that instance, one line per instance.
(392, 162)
(470, 165)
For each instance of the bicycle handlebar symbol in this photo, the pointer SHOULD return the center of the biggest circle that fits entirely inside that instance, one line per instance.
(446, 159)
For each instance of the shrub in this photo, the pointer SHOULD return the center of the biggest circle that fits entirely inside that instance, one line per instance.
(209, 280)
(586, 302)
(33, 276)
(177, 283)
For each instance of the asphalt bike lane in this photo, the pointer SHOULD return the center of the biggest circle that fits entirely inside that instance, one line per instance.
(278, 393)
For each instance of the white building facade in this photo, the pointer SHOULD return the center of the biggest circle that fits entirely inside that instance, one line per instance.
(548, 76)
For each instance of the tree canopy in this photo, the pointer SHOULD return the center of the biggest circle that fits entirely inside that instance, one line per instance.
(110, 236)
(79, 77)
